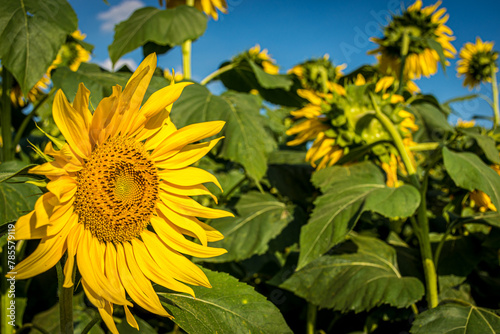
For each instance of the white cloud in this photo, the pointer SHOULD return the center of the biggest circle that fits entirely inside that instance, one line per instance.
(106, 64)
(118, 13)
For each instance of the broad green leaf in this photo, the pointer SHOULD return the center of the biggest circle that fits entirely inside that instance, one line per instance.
(356, 282)
(31, 33)
(276, 88)
(163, 27)
(457, 319)
(228, 307)
(16, 199)
(469, 172)
(261, 218)
(459, 256)
(13, 168)
(347, 192)
(432, 121)
(98, 81)
(246, 140)
(82, 315)
(486, 143)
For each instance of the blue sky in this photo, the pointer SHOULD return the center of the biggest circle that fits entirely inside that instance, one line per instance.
(296, 30)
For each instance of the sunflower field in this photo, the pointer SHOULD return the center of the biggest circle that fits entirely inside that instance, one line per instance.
(315, 199)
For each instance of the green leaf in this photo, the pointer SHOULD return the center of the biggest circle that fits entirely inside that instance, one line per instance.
(228, 307)
(31, 33)
(431, 116)
(457, 319)
(98, 81)
(13, 168)
(486, 143)
(436, 46)
(356, 282)
(347, 192)
(247, 142)
(16, 199)
(261, 218)
(163, 27)
(82, 315)
(469, 172)
(276, 88)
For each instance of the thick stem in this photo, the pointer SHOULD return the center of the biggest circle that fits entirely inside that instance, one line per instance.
(8, 152)
(186, 59)
(494, 86)
(311, 318)
(423, 223)
(404, 54)
(65, 303)
(186, 51)
(214, 74)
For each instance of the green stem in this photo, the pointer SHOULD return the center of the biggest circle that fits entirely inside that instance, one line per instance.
(6, 299)
(186, 59)
(8, 152)
(311, 318)
(214, 74)
(91, 324)
(404, 52)
(65, 303)
(494, 86)
(186, 51)
(28, 118)
(423, 223)
(424, 147)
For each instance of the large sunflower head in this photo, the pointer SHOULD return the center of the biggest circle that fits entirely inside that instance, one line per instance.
(118, 200)
(317, 74)
(343, 119)
(477, 62)
(419, 33)
(209, 7)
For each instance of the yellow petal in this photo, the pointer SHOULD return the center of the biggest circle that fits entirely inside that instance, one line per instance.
(107, 317)
(81, 104)
(188, 206)
(188, 176)
(155, 272)
(179, 266)
(187, 135)
(64, 188)
(188, 155)
(137, 285)
(186, 222)
(46, 255)
(172, 237)
(195, 190)
(130, 318)
(72, 124)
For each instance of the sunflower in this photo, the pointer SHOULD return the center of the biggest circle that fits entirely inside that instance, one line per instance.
(318, 74)
(118, 200)
(263, 59)
(71, 54)
(420, 29)
(341, 120)
(209, 7)
(480, 200)
(173, 76)
(476, 62)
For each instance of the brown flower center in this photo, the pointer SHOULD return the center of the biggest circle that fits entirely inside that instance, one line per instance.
(117, 191)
